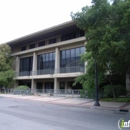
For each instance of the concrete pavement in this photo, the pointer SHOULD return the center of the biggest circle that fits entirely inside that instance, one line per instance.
(79, 102)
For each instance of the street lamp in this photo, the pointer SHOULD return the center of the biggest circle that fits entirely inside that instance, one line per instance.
(96, 85)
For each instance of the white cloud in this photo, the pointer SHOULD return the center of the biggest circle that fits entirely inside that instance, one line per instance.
(22, 17)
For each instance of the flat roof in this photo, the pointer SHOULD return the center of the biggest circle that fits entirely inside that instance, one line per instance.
(41, 32)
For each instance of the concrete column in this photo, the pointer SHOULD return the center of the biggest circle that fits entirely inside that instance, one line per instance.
(58, 39)
(128, 82)
(33, 86)
(43, 87)
(85, 63)
(17, 64)
(57, 60)
(66, 85)
(36, 45)
(34, 69)
(56, 85)
(47, 42)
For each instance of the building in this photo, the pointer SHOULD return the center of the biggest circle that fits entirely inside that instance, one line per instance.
(49, 59)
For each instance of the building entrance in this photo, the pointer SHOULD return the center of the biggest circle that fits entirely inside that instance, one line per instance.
(49, 85)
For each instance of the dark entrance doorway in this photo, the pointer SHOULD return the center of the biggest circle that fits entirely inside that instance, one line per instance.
(39, 85)
(62, 85)
(49, 85)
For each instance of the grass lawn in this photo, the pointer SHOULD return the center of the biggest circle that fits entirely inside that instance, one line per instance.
(123, 99)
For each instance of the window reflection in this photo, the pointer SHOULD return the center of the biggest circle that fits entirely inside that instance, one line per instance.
(46, 63)
(71, 58)
(26, 66)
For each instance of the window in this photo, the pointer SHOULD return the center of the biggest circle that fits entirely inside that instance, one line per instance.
(70, 60)
(31, 46)
(26, 66)
(49, 85)
(51, 41)
(68, 36)
(23, 48)
(72, 35)
(46, 63)
(80, 33)
(41, 43)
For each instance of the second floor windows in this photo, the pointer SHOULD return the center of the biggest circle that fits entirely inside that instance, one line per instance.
(31, 46)
(53, 40)
(42, 43)
(23, 48)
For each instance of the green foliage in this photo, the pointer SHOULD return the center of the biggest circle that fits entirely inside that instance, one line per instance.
(22, 87)
(86, 94)
(6, 78)
(6, 72)
(108, 35)
(119, 91)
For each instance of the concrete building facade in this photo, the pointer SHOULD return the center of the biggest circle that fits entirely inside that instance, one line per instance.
(49, 59)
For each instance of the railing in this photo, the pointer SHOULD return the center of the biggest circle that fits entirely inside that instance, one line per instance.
(52, 71)
(71, 69)
(47, 92)
(56, 93)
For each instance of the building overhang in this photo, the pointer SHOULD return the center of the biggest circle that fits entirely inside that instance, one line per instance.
(43, 34)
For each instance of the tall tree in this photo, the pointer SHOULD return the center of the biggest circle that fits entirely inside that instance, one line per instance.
(108, 34)
(6, 71)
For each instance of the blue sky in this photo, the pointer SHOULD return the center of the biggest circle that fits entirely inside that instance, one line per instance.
(21, 17)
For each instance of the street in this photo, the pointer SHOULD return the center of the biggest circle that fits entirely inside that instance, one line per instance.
(18, 114)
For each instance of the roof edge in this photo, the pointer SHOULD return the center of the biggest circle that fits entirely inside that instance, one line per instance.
(44, 31)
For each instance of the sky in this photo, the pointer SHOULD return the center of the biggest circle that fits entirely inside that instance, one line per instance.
(22, 17)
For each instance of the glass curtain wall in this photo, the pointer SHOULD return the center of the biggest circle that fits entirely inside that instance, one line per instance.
(70, 60)
(26, 66)
(46, 63)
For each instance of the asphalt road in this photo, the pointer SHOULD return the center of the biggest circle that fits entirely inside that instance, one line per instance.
(18, 114)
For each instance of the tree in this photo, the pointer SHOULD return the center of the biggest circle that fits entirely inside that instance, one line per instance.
(108, 34)
(6, 71)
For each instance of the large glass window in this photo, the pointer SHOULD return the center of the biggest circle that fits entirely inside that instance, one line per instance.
(26, 66)
(46, 63)
(70, 60)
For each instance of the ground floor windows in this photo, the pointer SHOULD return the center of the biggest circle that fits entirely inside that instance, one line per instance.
(39, 85)
(49, 85)
(62, 85)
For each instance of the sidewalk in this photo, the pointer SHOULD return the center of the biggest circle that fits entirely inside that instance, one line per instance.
(79, 102)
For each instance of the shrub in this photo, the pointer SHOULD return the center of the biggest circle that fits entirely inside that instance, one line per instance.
(118, 89)
(86, 94)
(22, 87)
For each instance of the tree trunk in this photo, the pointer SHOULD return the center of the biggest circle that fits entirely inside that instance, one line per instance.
(113, 92)
(128, 82)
